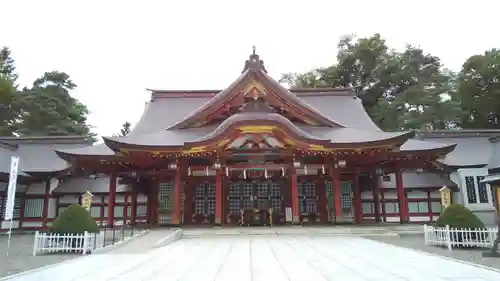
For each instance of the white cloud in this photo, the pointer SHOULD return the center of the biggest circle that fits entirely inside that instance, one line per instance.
(114, 50)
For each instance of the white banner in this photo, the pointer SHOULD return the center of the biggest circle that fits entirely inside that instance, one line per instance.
(11, 191)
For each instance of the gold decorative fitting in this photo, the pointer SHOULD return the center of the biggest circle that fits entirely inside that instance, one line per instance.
(257, 129)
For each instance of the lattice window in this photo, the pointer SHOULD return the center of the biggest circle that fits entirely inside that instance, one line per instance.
(329, 192)
(211, 206)
(211, 190)
(247, 203)
(165, 195)
(33, 207)
(199, 207)
(200, 191)
(234, 205)
(307, 188)
(482, 190)
(262, 189)
(234, 199)
(247, 189)
(275, 189)
(470, 186)
(234, 190)
(276, 204)
(346, 195)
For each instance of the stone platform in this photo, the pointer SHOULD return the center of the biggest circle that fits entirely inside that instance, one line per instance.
(305, 230)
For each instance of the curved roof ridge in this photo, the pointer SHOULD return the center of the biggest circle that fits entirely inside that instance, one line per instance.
(251, 116)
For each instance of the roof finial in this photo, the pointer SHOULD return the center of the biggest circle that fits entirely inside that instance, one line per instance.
(254, 63)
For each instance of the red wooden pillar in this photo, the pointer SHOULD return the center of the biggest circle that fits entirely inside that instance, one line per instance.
(111, 199)
(322, 200)
(218, 197)
(403, 207)
(376, 197)
(46, 198)
(295, 197)
(358, 206)
(335, 173)
(133, 207)
(153, 201)
(176, 214)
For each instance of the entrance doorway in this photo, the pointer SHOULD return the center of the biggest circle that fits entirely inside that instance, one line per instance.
(262, 197)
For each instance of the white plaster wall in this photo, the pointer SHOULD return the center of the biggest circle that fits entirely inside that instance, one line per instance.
(6, 224)
(19, 187)
(98, 185)
(391, 194)
(36, 188)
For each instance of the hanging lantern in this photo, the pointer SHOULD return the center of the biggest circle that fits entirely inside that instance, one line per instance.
(323, 169)
(265, 174)
(189, 171)
(282, 171)
(227, 172)
(305, 170)
(245, 174)
(206, 171)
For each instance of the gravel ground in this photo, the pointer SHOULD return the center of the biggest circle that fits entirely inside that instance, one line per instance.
(21, 255)
(21, 252)
(416, 242)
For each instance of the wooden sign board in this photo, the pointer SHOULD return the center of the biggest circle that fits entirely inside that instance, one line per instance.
(445, 193)
(87, 200)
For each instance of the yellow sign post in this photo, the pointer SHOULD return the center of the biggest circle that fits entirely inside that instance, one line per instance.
(87, 200)
(445, 197)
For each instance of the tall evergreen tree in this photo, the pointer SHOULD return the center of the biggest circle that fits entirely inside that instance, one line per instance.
(49, 109)
(478, 91)
(9, 109)
(400, 90)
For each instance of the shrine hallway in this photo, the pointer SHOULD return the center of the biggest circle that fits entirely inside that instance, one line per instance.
(265, 257)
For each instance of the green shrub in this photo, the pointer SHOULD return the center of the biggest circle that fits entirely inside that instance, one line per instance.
(74, 219)
(459, 216)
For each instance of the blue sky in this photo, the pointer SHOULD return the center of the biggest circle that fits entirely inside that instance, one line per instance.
(114, 50)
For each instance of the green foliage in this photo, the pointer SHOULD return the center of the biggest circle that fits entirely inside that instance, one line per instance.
(478, 91)
(459, 216)
(400, 90)
(125, 130)
(49, 109)
(74, 219)
(9, 109)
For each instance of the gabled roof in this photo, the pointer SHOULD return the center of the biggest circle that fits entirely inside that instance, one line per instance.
(254, 70)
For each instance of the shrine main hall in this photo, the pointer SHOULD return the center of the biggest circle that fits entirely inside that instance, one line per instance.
(254, 153)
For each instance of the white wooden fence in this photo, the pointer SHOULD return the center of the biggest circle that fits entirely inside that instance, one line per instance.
(459, 237)
(67, 243)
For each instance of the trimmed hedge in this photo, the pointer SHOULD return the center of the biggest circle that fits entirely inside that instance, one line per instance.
(74, 219)
(459, 216)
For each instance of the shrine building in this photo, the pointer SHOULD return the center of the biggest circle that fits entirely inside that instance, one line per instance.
(254, 153)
